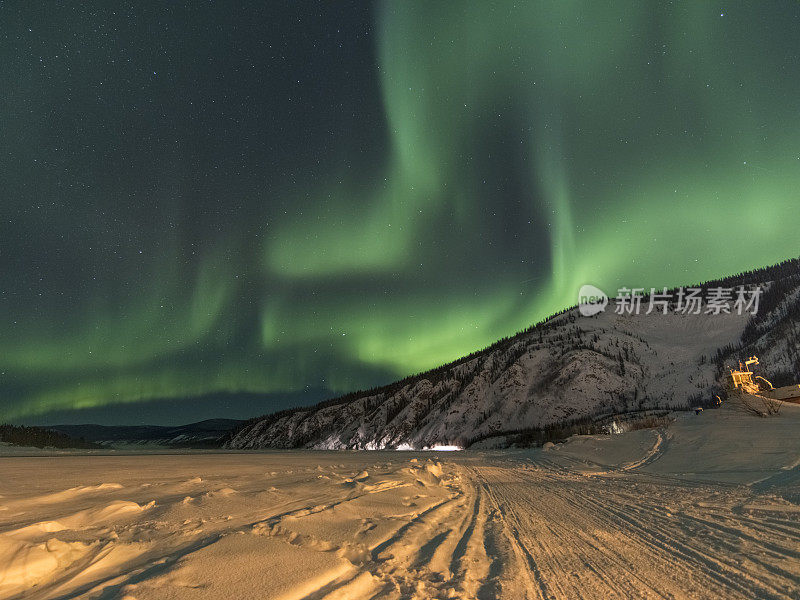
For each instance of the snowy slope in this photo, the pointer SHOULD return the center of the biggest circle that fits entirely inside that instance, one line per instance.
(567, 368)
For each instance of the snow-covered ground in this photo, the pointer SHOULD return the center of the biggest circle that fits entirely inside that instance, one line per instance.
(709, 508)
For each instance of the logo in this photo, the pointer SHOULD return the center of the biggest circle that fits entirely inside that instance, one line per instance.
(683, 301)
(591, 300)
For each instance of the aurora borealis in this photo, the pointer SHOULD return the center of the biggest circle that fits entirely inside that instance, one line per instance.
(302, 199)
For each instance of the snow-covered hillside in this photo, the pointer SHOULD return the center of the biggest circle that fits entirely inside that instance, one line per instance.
(568, 368)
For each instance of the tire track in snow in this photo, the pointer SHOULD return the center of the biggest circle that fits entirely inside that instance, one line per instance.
(628, 542)
(684, 551)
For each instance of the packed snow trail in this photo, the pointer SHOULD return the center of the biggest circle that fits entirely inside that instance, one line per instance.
(630, 536)
(707, 508)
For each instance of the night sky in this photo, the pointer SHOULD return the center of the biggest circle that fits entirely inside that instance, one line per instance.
(225, 208)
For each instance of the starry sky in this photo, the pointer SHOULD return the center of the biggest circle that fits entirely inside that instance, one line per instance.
(219, 209)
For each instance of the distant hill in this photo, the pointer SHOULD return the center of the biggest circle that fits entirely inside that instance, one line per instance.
(566, 369)
(40, 437)
(197, 435)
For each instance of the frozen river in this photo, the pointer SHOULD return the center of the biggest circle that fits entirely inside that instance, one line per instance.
(709, 507)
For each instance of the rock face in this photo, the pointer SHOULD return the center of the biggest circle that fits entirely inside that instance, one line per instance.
(567, 368)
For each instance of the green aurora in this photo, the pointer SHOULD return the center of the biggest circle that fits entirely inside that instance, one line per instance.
(299, 196)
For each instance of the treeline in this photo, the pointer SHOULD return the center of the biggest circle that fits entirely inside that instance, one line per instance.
(38, 437)
(597, 424)
(783, 270)
(779, 323)
(537, 436)
(777, 293)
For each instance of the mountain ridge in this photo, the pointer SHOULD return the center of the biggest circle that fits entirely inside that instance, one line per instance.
(565, 368)
(205, 433)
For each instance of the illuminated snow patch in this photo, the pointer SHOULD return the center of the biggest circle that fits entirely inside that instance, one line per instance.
(408, 447)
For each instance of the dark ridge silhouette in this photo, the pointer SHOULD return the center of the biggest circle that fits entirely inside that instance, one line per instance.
(39, 437)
